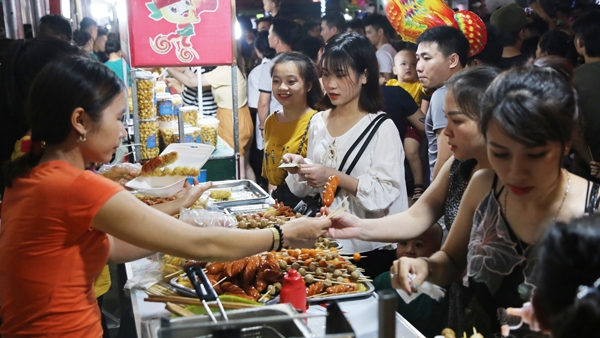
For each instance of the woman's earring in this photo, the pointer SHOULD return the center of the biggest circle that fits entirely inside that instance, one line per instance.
(83, 138)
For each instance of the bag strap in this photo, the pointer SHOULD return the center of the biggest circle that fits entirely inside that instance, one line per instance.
(304, 136)
(591, 198)
(372, 128)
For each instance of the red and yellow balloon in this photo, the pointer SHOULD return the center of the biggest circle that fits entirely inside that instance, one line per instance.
(410, 18)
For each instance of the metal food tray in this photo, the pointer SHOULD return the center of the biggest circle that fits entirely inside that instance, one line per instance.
(185, 291)
(243, 192)
(246, 209)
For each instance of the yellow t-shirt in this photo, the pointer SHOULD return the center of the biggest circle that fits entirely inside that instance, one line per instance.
(415, 89)
(280, 139)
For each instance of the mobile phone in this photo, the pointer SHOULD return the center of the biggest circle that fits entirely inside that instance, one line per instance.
(528, 10)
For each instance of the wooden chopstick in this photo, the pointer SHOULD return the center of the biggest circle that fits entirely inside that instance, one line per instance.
(335, 213)
(178, 310)
(193, 301)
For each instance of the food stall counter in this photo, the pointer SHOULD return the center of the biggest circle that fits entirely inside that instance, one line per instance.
(362, 313)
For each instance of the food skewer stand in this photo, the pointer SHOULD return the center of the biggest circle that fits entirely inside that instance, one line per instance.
(167, 34)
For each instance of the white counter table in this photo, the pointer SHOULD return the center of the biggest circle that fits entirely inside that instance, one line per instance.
(362, 314)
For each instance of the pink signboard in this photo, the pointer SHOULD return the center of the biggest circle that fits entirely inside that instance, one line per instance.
(180, 32)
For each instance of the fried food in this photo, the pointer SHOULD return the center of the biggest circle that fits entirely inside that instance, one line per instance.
(159, 161)
(330, 190)
(220, 194)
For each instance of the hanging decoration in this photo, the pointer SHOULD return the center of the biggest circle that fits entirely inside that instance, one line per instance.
(410, 18)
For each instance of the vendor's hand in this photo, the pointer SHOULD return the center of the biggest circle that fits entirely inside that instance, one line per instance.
(343, 225)
(292, 158)
(305, 231)
(405, 266)
(189, 194)
(316, 175)
(595, 169)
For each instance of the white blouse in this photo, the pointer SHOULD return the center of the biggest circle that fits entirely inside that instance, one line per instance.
(380, 172)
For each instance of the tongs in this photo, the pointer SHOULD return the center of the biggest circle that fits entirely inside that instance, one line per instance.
(206, 293)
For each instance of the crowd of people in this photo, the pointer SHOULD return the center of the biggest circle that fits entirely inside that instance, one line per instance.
(497, 212)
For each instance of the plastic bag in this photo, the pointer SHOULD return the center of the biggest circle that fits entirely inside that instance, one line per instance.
(121, 173)
(204, 218)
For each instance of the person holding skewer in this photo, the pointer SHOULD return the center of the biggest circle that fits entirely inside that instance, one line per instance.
(354, 140)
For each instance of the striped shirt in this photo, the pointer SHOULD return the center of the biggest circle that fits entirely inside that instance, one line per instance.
(190, 96)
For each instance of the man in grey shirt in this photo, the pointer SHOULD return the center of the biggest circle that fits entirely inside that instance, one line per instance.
(441, 52)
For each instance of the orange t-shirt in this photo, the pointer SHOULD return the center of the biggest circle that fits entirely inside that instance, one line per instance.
(49, 255)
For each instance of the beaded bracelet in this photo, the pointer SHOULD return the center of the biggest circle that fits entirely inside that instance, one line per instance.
(280, 233)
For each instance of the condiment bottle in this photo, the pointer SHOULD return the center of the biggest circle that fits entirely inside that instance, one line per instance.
(293, 291)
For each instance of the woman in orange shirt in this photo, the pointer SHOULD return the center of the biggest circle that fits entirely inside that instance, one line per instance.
(61, 224)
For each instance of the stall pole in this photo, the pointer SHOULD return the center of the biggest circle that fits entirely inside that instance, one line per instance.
(200, 91)
(136, 120)
(234, 79)
(13, 20)
(37, 8)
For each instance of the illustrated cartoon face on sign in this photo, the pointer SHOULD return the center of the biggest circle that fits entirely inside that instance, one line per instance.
(179, 12)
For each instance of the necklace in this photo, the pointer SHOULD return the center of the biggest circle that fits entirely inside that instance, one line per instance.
(559, 207)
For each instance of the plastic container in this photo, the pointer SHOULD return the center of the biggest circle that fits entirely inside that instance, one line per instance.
(161, 87)
(209, 130)
(145, 82)
(148, 134)
(168, 132)
(177, 103)
(190, 115)
(164, 107)
(293, 291)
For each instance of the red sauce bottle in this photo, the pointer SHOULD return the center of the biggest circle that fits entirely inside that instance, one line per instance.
(293, 291)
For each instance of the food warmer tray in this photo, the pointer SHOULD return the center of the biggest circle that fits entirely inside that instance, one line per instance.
(246, 209)
(243, 192)
(370, 288)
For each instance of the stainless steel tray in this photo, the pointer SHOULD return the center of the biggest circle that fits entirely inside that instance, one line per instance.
(243, 192)
(185, 291)
(246, 209)
(201, 326)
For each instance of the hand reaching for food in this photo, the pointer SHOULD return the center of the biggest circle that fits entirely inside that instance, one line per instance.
(305, 231)
(189, 194)
(343, 225)
(121, 173)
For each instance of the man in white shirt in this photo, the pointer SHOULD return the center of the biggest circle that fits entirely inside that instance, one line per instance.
(377, 27)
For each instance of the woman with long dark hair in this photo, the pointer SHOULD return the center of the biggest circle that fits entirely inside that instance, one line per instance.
(372, 180)
(61, 223)
(296, 86)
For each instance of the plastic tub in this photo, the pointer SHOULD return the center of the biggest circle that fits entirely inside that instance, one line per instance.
(161, 87)
(209, 130)
(190, 115)
(164, 107)
(145, 83)
(148, 134)
(168, 132)
(177, 103)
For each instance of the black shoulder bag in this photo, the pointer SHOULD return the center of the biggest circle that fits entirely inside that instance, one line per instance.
(310, 205)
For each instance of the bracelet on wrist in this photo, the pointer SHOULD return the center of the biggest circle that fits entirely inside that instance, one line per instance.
(276, 242)
(280, 237)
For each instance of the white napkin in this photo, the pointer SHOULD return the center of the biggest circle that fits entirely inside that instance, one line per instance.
(427, 288)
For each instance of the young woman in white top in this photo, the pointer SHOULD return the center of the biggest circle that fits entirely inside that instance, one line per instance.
(376, 185)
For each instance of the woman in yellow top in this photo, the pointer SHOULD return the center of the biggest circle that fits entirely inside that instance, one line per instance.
(296, 86)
